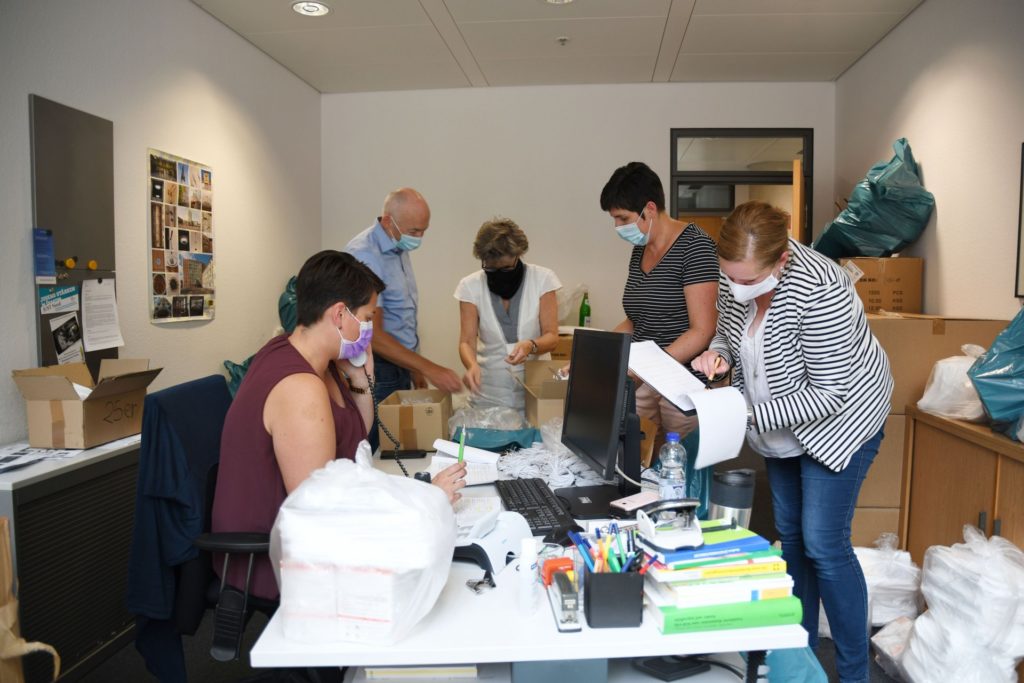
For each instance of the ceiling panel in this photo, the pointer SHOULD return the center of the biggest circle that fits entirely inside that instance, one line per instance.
(587, 37)
(804, 6)
(822, 66)
(412, 44)
(787, 33)
(416, 75)
(518, 10)
(257, 16)
(568, 70)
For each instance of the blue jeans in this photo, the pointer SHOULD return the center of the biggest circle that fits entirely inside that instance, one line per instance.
(813, 510)
(387, 379)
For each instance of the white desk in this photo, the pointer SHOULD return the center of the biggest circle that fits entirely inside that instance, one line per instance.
(465, 628)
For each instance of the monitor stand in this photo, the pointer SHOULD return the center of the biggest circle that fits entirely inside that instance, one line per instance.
(592, 502)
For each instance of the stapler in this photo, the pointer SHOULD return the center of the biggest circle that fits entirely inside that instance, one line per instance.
(670, 525)
(493, 541)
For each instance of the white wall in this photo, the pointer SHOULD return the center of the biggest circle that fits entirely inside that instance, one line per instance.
(171, 77)
(539, 155)
(949, 78)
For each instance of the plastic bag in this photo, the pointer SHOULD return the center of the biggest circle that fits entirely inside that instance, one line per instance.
(236, 371)
(999, 378)
(974, 627)
(890, 643)
(286, 306)
(360, 555)
(888, 210)
(794, 665)
(569, 300)
(950, 392)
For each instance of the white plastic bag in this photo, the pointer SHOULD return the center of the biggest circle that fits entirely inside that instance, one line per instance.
(950, 392)
(974, 627)
(569, 300)
(890, 643)
(361, 555)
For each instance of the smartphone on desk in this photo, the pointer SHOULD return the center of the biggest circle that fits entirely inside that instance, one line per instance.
(413, 454)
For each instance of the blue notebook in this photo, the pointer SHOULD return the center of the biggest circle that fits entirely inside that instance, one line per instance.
(716, 544)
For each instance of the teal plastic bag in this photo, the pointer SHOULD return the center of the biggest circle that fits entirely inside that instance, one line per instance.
(236, 371)
(286, 309)
(998, 376)
(498, 440)
(888, 210)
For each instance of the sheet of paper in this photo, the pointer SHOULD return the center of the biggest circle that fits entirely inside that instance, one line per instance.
(476, 473)
(471, 509)
(58, 299)
(67, 338)
(99, 313)
(470, 454)
(664, 373)
(722, 415)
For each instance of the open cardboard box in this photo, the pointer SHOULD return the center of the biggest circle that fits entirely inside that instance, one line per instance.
(545, 395)
(59, 418)
(416, 425)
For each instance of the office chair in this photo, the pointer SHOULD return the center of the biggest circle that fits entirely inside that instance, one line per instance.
(171, 578)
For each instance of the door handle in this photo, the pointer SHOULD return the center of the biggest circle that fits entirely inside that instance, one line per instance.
(983, 521)
(997, 527)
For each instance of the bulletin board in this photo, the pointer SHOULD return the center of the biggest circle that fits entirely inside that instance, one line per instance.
(180, 226)
(73, 206)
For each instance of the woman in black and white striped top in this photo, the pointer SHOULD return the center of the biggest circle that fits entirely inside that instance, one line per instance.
(818, 386)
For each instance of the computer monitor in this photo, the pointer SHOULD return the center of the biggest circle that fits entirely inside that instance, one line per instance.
(600, 424)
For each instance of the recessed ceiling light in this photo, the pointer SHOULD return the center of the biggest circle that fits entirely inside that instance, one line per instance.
(559, 2)
(310, 8)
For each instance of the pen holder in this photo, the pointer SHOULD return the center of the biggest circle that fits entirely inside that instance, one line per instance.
(613, 600)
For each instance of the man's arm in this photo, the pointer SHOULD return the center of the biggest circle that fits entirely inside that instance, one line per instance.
(390, 349)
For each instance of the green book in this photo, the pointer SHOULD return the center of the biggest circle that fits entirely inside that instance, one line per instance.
(777, 612)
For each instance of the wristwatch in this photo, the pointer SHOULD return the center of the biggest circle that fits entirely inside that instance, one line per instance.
(751, 422)
(533, 347)
(358, 390)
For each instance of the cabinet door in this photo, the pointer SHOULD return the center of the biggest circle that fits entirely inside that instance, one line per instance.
(1009, 510)
(952, 482)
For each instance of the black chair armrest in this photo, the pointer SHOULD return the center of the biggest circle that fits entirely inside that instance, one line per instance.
(234, 542)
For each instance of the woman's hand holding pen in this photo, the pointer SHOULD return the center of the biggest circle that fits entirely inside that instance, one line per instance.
(711, 364)
(450, 480)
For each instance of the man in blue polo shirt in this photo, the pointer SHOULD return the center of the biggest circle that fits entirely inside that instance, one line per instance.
(385, 247)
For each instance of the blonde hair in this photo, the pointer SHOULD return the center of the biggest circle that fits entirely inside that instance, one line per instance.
(754, 229)
(499, 237)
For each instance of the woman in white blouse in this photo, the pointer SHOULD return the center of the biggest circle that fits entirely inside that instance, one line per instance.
(508, 312)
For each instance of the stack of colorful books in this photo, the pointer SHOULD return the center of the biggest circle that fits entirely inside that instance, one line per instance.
(735, 580)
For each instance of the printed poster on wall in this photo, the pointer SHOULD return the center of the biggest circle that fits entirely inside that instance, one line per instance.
(180, 239)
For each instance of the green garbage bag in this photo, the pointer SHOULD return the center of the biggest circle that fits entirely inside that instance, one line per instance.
(888, 210)
(998, 375)
(236, 371)
(286, 307)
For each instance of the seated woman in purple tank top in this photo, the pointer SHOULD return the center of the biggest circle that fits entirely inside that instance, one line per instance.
(303, 403)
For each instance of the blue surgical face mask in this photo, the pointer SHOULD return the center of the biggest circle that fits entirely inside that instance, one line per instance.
(406, 242)
(631, 232)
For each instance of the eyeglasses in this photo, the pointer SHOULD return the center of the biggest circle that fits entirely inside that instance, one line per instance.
(503, 269)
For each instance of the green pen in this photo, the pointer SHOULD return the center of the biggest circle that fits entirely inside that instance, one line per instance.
(462, 443)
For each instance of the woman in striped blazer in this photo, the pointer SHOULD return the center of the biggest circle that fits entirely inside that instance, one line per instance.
(818, 386)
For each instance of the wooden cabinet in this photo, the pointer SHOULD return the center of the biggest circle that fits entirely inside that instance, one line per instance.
(958, 473)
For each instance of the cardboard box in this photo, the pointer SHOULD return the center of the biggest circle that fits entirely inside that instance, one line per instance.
(59, 418)
(420, 422)
(545, 395)
(870, 523)
(563, 351)
(915, 342)
(882, 486)
(888, 284)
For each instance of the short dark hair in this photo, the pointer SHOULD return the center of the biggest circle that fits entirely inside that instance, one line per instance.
(631, 187)
(329, 277)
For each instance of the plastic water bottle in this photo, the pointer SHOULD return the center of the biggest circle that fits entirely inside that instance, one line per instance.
(672, 477)
(585, 310)
(529, 586)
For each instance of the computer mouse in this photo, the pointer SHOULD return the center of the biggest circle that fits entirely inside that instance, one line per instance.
(560, 535)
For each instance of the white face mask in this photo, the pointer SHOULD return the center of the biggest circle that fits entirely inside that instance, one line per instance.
(743, 293)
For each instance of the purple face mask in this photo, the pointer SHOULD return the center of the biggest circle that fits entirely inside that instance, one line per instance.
(356, 350)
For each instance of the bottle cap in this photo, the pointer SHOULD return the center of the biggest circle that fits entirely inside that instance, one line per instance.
(672, 436)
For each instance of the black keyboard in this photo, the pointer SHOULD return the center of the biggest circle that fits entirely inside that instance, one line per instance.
(534, 500)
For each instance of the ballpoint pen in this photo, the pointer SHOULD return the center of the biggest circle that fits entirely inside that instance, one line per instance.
(462, 443)
(714, 371)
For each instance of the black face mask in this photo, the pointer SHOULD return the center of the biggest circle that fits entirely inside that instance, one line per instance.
(505, 283)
